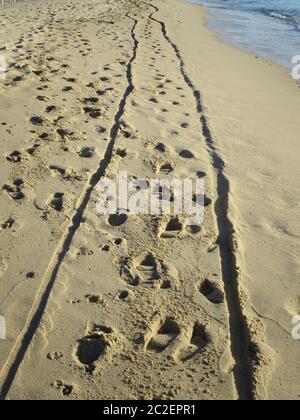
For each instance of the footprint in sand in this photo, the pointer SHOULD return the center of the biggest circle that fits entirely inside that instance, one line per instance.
(57, 202)
(173, 228)
(67, 88)
(198, 342)
(118, 241)
(160, 147)
(199, 199)
(51, 108)
(164, 193)
(166, 169)
(185, 125)
(64, 388)
(44, 136)
(153, 100)
(200, 174)
(18, 79)
(87, 152)
(65, 132)
(122, 153)
(125, 295)
(55, 356)
(207, 201)
(14, 157)
(126, 273)
(117, 220)
(8, 224)
(94, 299)
(37, 120)
(186, 154)
(147, 269)
(101, 92)
(57, 169)
(91, 100)
(15, 190)
(162, 336)
(33, 150)
(212, 291)
(126, 130)
(194, 229)
(42, 98)
(92, 347)
(101, 130)
(106, 248)
(92, 111)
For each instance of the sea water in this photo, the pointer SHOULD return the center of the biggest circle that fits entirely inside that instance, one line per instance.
(268, 28)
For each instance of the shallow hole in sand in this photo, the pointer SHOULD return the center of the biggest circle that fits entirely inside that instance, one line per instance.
(174, 225)
(116, 220)
(212, 292)
(124, 294)
(90, 349)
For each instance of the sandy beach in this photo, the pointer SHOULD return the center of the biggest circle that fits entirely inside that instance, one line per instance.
(144, 307)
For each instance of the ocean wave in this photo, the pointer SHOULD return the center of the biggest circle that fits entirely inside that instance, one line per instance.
(283, 17)
(251, 25)
(289, 14)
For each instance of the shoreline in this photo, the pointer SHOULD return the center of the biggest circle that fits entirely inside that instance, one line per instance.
(145, 307)
(216, 20)
(207, 14)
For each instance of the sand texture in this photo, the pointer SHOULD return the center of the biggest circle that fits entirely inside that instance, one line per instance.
(144, 307)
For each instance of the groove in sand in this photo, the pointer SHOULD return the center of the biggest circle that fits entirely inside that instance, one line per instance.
(240, 340)
(15, 358)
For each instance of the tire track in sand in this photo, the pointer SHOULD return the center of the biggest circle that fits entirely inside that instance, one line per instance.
(16, 356)
(239, 333)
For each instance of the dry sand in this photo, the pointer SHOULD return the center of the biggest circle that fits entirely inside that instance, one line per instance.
(115, 308)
